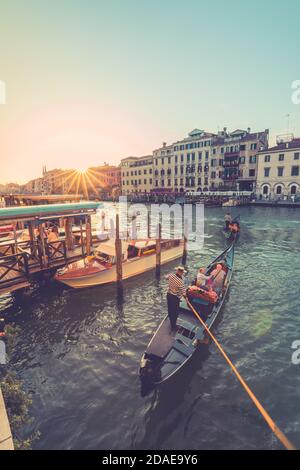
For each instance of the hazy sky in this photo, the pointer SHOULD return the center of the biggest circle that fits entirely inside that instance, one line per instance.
(89, 81)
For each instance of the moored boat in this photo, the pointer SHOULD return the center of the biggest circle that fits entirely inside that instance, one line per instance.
(138, 257)
(230, 203)
(168, 351)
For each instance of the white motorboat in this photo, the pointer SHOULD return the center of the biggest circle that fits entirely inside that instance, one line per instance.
(138, 257)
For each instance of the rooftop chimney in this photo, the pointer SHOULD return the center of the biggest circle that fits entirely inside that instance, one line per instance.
(164, 144)
(249, 130)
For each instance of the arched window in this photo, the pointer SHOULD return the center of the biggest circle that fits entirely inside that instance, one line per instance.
(265, 190)
(279, 190)
(293, 189)
(199, 190)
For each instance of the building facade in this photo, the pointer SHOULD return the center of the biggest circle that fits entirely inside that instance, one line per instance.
(235, 158)
(136, 174)
(278, 169)
(201, 162)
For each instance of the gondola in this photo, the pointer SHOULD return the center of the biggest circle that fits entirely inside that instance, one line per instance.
(168, 351)
(229, 234)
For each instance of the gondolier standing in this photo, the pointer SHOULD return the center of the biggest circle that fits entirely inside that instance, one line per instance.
(176, 290)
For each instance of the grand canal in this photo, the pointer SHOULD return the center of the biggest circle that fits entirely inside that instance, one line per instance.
(78, 352)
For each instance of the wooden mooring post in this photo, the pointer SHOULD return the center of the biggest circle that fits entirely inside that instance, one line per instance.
(119, 258)
(88, 234)
(69, 234)
(31, 235)
(158, 250)
(185, 239)
(43, 253)
(82, 240)
(148, 224)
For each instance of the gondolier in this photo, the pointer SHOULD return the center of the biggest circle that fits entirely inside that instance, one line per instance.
(176, 290)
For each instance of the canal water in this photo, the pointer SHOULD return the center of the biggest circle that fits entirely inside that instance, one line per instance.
(78, 352)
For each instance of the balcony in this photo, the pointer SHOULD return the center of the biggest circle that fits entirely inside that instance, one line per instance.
(232, 177)
(231, 164)
(231, 154)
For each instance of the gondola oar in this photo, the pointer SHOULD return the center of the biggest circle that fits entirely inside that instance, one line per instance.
(279, 434)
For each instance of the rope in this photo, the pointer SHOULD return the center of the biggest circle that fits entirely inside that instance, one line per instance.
(279, 434)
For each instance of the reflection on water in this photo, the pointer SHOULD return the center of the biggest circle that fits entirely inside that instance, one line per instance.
(79, 352)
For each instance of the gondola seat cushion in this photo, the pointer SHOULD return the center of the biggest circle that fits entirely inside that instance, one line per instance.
(195, 292)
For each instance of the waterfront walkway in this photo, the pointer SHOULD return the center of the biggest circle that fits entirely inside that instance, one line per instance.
(279, 203)
(6, 441)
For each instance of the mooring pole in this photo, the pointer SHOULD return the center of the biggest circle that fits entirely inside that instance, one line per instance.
(43, 247)
(103, 221)
(158, 250)
(88, 234)
(185, 238)
(148, 224)
(69, 234)
(119, 267)
(31, 235)
(81, 240)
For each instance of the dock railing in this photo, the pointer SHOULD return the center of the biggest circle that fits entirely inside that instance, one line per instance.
(13, 269)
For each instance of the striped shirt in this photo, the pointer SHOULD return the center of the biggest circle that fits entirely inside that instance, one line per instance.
(176, 285)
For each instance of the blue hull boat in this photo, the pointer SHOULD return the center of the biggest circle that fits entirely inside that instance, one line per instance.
(168, 351)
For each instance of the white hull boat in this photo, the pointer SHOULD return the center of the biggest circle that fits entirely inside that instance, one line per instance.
(100, 269)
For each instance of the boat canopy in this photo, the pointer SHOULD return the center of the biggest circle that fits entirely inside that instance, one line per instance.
(109, 248)
(47, 210)
(144, 244)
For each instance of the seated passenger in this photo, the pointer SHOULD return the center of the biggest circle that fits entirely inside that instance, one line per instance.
(202, 278)
(218, 276)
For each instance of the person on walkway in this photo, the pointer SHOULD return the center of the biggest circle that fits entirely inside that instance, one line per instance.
(176, 290)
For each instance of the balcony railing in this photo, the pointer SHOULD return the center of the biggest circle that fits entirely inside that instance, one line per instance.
(230, 177)
(230, 163)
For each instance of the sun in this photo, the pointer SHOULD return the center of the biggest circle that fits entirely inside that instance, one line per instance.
(82, 169)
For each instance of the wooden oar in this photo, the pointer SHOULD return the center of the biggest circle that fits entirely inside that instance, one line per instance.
(279, 434)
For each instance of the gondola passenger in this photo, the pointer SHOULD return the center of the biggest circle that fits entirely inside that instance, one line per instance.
(202, 278)
(176, 290)
(228, 220)
(218, 275)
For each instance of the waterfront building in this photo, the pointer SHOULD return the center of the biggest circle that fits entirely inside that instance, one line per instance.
(192, 162)
(278, 169)
(136, 174)
(10, 188)
(104, 180)
(201, 162)
(234, 162)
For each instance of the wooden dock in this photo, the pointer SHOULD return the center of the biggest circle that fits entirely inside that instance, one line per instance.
(19, 269)
(23, 261)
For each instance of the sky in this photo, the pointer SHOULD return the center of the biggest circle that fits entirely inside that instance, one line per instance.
(93, 81)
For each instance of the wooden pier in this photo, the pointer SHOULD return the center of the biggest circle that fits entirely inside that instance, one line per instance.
(22, 261)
